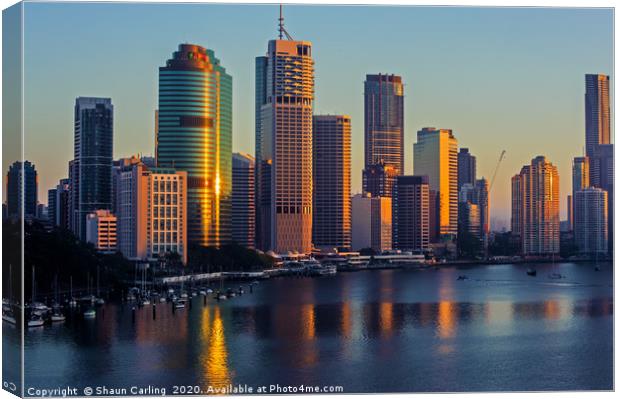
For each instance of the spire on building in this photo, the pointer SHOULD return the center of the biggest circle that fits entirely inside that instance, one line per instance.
(281, 29)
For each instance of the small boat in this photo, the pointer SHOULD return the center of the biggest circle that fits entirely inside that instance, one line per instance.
(531, 272)
(203, 292)
(230, 293)
(162, 299)
(255, 282)
(57, 317)
(555, 276)
(146, 302)
(9, 318)
(209, 291)
(597, 268)
(35, 320)
(241, 291)
(90, 314)
(179, 304)
(194, 293)
(462, 277)
(99, 301)
(184, 295)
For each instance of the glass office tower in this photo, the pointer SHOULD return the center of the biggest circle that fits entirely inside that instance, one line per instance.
(194, 134)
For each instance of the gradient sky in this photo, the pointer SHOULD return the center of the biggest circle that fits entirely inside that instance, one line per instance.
(501, 78)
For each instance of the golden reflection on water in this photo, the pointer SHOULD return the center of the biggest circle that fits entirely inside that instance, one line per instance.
(214, 358)
(446, 319)
(386, 318)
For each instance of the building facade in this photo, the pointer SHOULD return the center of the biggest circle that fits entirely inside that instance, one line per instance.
(194, 134)
(435, 155)
(384, 128)
(590, 229)
(536, 193)
(51, 206)
(331, 226)
(284, 102)
(22, 184)
(371, 223)
(466, 168)
(243, 208)
(597, 115)
(151, 211)
(91, 174)
(410, 213)
(101, 230)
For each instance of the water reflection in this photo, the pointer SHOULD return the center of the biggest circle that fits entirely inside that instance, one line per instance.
(214, 357)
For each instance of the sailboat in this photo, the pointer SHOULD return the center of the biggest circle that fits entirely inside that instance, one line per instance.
(99, 301)
(554, 275)
(57, 315)
(72, 301)
(35, 320)
(7, 311)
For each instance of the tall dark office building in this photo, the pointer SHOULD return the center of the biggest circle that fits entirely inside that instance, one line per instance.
(602, 176)
(91, 174)
(63, 203)
(411, 213)
(331, 226)
(466, 168)
(243, 208)
(51, 206)
(383, 130)
(21, 189)
(194, 134)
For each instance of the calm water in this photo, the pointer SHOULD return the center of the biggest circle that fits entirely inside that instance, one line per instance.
(375, 331)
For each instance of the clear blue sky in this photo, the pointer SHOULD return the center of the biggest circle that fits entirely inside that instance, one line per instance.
(501, 78)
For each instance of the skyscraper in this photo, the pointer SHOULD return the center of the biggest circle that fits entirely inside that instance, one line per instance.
(91, 175)
(194, 134)
(536, 193)
(331, 226)
(581, 180)
(466, 168)
(591, 220)
(51, 206)
(243, 208)
(602, 176)
(481, 198)
(284, 101)
(597, 111)
(410, 213)
(63, 204)
(383, 128)
(435, 155)
(22, 185)
(151, 210)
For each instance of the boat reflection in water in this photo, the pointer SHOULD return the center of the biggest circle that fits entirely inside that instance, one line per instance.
(374, 331)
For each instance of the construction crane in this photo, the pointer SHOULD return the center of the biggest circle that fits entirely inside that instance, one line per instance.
(501, 157)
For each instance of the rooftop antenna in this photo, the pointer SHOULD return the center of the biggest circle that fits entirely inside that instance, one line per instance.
(281, 29)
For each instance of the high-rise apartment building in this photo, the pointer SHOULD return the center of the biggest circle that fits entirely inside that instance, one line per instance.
(569, 212)
(51, 206)
(383, 130)
(101, 230)
(410, 213)
(22, 185)
(331, 226)
(590, 230)
(581, 180)
(91, 174)
(435, 155)
(535, 194)
(466, 168)
(597, 113)
(481, 198)
(371, 223)
(194, 134)
(243, 208)
(378, 179)
(151, 211)
(284, 103)
(602, 176)
(63, 204)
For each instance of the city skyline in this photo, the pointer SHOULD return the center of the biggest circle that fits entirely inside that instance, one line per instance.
(446, 108)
